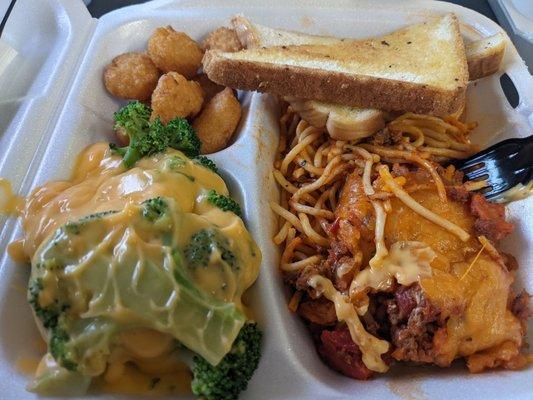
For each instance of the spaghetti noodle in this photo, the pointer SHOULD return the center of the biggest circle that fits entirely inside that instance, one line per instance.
(311, 167)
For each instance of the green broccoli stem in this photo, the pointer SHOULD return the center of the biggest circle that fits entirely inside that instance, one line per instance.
(131, 156)
(121, 151)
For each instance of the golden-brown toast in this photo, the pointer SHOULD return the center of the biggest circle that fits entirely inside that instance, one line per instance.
(420, 68)
(484, 56)
(352, 123)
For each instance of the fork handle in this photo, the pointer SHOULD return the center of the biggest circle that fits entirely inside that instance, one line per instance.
(525, 155)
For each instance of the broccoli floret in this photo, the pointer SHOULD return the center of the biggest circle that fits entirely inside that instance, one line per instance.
(58, 348)
(203, 243)
(147, 138)
(134, 119)
(154, 209)
(51, 317)
(179, 135)
(175, 162)
(48, 316)
(206, 162)
(230, 377)
(225, 203)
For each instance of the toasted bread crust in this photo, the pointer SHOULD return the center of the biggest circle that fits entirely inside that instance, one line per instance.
(484, 56)
(351, 90)
(481, 67)
(485, 66)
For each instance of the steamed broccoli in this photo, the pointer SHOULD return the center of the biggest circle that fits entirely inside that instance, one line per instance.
(206, 162)
(134, 120)
(154, 209)
(229, 377)
(58, 348)
(51, 317)
(201, 246)
(48, 315)
(225, 203)
(147, 138)
(177, 134)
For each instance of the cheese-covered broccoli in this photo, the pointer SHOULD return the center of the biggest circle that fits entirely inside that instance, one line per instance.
(95, 274)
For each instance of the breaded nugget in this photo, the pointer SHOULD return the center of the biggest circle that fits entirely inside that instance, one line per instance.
(217, 122)
(223, 39)
(175, 96)
(131, 76)
(209, 87)
(174, 51)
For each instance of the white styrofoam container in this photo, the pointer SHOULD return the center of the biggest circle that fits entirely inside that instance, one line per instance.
(55, 104)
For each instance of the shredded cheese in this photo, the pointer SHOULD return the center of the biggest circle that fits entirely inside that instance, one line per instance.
(473, 262)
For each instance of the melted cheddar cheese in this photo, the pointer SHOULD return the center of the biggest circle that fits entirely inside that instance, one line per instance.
(472, 292)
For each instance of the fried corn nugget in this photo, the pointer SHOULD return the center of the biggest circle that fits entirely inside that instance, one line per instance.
(217, 122)
(223, 39)
(174, 51)
(209, 87)
(175, 96)
(131, 76)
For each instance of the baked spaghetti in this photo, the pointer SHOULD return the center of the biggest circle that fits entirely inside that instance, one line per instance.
(389, 254)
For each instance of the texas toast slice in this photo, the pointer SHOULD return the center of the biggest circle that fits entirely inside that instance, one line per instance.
(421, 68)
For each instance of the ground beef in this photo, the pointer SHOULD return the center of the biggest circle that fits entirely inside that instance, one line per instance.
(340, 352)
(338, 255)
(385, 136)
(490, 218)
(459, 194)
(319, 311)
(300, 280)
(413, 323)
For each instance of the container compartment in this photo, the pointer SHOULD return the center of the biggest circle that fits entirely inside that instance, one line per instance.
(290, 367)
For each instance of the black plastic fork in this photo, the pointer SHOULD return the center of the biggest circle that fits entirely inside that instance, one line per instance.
(503, 166)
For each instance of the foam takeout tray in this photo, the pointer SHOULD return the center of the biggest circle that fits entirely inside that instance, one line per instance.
(53, 103)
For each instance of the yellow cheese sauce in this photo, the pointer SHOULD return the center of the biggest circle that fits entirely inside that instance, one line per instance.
(135, 382)
(9, 202)
(16, 251)
(27, 365)
(105, 265)
(100, 182)
(144, 363)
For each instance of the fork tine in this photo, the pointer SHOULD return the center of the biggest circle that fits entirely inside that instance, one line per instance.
(497, 189)
(476, 174)
(468, 163)
(502, 166)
